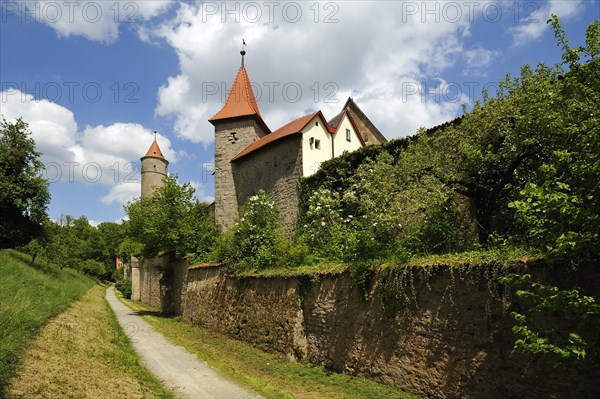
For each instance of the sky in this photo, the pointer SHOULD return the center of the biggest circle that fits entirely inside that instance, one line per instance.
(94, 79)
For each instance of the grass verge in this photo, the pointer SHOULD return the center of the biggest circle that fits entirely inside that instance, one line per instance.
(271, 375)
(30, 295)
(84, 353)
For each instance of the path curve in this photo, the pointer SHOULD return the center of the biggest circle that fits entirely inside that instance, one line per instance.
(177, 368)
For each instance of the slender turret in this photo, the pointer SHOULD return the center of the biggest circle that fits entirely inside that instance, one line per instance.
(154, 169)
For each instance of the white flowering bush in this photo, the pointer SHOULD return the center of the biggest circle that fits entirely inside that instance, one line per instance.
(323, 227)
(389, 209)
(257, 240)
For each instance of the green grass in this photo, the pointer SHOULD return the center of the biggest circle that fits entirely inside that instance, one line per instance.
(84, 353)
(271, 375)
(30, 295)
(477, 257)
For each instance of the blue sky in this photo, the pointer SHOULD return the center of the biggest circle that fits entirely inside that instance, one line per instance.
(94, 79)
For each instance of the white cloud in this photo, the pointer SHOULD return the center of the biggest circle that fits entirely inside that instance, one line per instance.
(478, 59)
(532, 26)
(107, 155)
(92, 19)
(201, 192)
(122, 193)
(378, 61)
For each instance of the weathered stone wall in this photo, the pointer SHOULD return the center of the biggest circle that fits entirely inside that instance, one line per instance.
(263, 312)
(150, 276)
(446, 334)
(231, 137)
(276, 169)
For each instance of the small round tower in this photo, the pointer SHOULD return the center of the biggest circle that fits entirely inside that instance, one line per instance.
(154, 170)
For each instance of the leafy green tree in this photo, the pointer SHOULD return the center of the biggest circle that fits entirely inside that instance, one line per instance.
(24, 193)
(171, 220)
(559, 206)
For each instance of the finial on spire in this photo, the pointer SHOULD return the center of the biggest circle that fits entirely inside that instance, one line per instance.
(155, 132)
(243, 52)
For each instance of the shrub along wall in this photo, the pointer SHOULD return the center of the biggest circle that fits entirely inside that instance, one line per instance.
(443, 332)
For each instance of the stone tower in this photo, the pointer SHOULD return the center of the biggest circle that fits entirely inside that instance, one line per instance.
(154, 170)
(237, 125)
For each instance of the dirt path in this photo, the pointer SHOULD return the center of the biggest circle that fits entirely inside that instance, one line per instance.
(175, 366)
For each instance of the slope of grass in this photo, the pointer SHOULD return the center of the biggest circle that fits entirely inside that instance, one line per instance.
(84, 353)
(271, 375)
(30, 295)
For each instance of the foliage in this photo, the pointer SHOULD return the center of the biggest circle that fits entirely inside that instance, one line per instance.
(390, 209)
(93, 268)
(335, 174)
(128, 248)
(75, 244)
(122, 283)
(571, 313)
(23, 192)
(522, 168)
(559, 206)
(258, 241)
(171, 220)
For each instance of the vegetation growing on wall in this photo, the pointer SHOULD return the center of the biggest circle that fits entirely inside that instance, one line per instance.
(572, 331)
(527, 160)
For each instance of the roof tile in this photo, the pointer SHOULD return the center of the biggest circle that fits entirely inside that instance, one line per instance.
(291, 128)
(154, 151)
(240, 101)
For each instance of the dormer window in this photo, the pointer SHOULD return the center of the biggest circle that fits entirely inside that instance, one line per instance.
(348, 136)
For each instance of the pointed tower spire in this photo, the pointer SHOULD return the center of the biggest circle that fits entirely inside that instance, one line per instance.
(154, 150)
(241, 101)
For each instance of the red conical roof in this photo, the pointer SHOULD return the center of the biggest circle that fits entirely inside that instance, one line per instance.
(154, 151)
(240, 101)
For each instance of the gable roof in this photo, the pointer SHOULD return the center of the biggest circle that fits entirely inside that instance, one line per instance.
(294, 127)
(155, 152)
(240, 101)
(350, 104)
(335, 121)
(338, 120)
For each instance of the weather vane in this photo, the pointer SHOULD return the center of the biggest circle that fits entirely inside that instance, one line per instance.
(243, 52)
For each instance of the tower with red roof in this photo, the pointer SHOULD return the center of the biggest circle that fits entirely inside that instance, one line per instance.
(154, 169)
(237, 125)
(249, 157)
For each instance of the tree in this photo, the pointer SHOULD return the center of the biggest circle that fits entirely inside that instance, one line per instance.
(24, 193)
(170, 221)
(559, 207)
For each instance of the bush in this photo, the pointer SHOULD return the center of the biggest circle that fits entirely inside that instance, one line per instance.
(257, 241)
(93, 268)
(122, 283)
